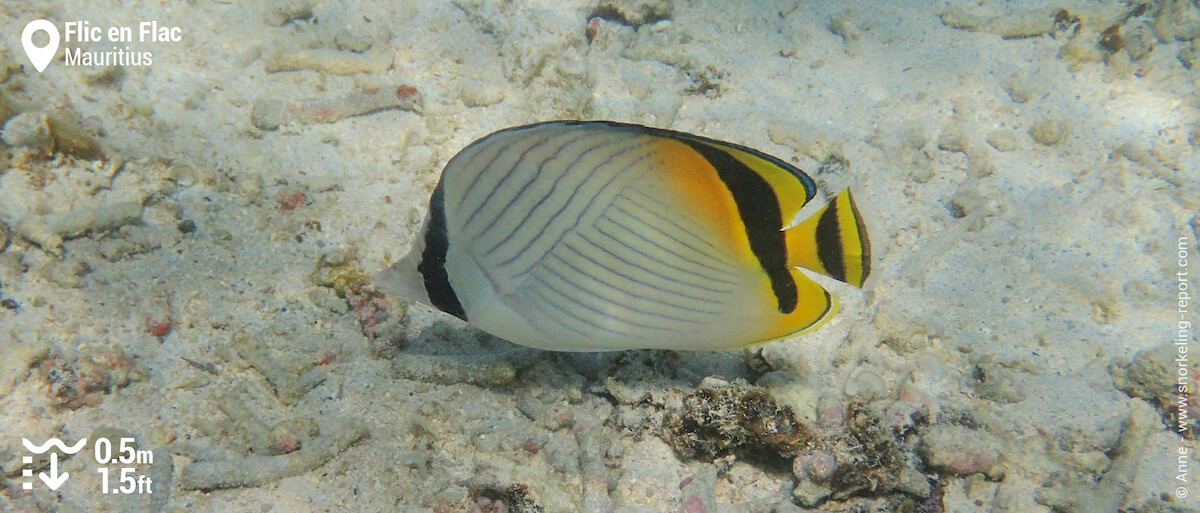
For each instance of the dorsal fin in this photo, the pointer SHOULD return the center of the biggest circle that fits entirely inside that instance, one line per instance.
(792, 186)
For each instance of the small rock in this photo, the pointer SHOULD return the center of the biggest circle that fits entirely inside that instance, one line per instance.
(7, 109)
(815, 465)
(158, 326)
(866, 386)
(1149, 376)
(1018, 88)
(845, 25)
(162, 434)
(110, 75)
(961, 451)
(28, 129)
(1002, 140)
(474, 93)
(291, 199)
(116, 249)
(354, 39)
(182, 174)
(1119, 65)
(79, 380)
(1049, 131)
(1139, 41)
(249, 186)
(289, 10)
(49, 231)
(71, 139)
(68, 273)
(1177, 19)
(1188, 54)
(809, 494)
(954, 138)
(289, 435)
(717, 420)
(634, 13)
(1082, 49)
(995, 382)
(805, 138)
(913, 482)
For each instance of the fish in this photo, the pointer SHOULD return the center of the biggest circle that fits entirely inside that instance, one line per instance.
(605, 236)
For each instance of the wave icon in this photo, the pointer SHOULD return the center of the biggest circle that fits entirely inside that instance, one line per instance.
(53, 442)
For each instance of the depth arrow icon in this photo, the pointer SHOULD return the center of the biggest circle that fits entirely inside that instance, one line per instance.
(54, 480)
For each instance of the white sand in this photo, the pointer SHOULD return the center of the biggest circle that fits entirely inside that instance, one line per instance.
(1009, 287)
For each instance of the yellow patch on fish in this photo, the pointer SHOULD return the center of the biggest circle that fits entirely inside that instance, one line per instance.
(587, 236)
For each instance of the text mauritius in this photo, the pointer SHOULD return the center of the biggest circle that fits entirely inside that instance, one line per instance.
(147, 32)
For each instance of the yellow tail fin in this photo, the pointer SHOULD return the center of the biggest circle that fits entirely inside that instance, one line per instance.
(833, 242)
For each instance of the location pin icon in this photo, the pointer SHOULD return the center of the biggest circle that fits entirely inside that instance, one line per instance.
(40, 57)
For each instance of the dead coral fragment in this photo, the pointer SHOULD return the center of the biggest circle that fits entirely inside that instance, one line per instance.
(519, 497)
(961, 451)
(291, 378)
(244, 424)
(1177, 19)
(381, 323)
(288, 11)
(71, 139)
(442, 370)
(1009, 25)
(339, 270)
(48, 231)
(705, 81)
(257, 471)
(27, 129)
(328, 61)
(1153, 376)
(865, 456)
(7, 109)
(47, 132)
(996, 381)
(872, 460)
(269, 114)
(723, 418)
(1112, 491)
(81, 381)
(1063, 20)
(634, 13)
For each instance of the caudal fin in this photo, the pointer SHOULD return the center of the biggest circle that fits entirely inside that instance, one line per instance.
(402, 279)
(833, 242)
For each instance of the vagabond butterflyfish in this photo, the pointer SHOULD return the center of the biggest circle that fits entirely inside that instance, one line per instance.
(595, 235)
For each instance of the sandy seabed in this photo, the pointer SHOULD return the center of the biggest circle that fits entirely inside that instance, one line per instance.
(185, 246)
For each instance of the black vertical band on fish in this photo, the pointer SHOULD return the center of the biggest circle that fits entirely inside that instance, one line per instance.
(759, 209)
(829, 243)
(433, 260)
